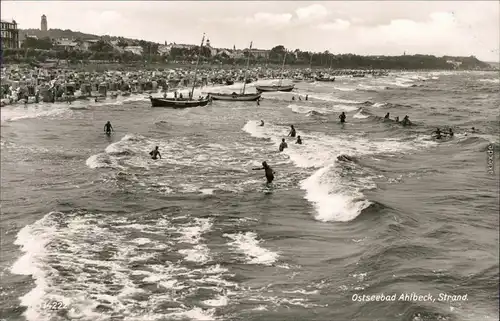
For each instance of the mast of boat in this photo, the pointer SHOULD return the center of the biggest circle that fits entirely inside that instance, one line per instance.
(196, 69)
(246, 71)
(282, 68)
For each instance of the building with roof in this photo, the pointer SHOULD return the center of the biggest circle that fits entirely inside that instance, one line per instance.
(10, 34)
(66, 44)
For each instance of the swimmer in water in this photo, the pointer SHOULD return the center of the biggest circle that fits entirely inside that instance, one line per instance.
(108, 128)
(155, 153)
(450, 132)
(307, 97)
(261, 123)
(342, 117)
(438, 133)
(283, 145)
(292, 132)
(396, 119)
(268, 170)
(386, 116)
(299, 140)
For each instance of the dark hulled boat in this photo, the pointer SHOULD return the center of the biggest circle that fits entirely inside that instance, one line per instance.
(286, 88)
(279, 87)
(183, 102)
(236, 97)
(178, 103)
(241, 96)
(330, 79)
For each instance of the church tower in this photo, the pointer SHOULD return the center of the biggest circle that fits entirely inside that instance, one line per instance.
(43, 24)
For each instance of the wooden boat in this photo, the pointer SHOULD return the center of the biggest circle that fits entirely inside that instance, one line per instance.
(279, 87)
(241, 96)
(324, 79)
(286, 88)
(178, 103)
(236, 97)
(183, 102)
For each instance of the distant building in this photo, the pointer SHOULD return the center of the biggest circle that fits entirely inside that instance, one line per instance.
(164, 50)
(260, 53)
(183, 46)
(65, 44)
(10, 34)
(84, 45)
(43, 23)
(137, 50)
(213, 51)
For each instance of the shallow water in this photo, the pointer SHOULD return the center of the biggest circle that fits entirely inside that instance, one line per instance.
(92, 222)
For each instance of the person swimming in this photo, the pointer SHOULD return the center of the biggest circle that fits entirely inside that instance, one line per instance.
(342, 117)
(307, 97)
(396, 119)
(450, 132)
(268, 171)
(438, 133)
(292, 132)
(386, 116)
(155, 153)
(299, 140)
(406, 121)
(108, 128)
(261, 123)
(293, 97)
(283, 145)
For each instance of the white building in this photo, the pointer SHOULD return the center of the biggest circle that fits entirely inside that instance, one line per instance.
(66, 44)
(137, 50)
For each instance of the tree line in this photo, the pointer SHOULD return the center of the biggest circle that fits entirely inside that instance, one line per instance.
(42, 49)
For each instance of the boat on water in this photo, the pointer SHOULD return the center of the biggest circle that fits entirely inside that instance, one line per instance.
(178, 103)
(183, 102)
(279, 87)
(286, 88)
(236, 97)
(241, 96)
(327, 79)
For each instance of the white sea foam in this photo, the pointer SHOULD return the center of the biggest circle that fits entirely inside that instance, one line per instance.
(249, 245)
(332, 201)
(360, 115)
(13, 113)
(493, 81)
(334, 198)
(81, 244)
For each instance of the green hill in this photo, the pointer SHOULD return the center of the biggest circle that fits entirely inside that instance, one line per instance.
(70, 34)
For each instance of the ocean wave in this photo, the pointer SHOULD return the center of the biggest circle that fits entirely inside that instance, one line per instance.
(71, 253)
(325, 187)
(249, 245)
(489, 80)
(35, 111)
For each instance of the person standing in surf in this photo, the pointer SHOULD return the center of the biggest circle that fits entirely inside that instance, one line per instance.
(342, 117)
(292, 132)
(283, 145)
(108, 128)
(155, 153)
(268, 171)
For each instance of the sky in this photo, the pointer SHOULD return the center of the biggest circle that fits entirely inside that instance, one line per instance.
(457, 28)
